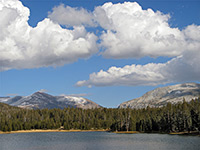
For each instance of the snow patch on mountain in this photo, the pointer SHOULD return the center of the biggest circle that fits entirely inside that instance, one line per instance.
(79, 100)
(4, 99)
(76, 99)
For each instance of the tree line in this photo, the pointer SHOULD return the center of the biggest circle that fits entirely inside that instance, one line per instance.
(180, 117)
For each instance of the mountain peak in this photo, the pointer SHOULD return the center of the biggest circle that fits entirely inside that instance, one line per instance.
(42, 100)
(161, 96)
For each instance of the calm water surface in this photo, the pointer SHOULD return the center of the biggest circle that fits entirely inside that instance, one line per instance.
(97, 141)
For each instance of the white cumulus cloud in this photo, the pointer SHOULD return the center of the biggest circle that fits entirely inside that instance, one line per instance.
(48, 44)
(70, 16)
(182, 68)
(131, 32)
(179, 69)
(128, 32)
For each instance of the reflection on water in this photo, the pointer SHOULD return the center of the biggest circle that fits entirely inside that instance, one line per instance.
(97, 141)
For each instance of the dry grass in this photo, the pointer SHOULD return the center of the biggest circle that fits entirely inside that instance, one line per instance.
(127, 132)
(55, 130)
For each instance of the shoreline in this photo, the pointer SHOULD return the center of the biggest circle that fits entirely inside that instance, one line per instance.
(195, 133)
(127, 132)
(192, 133)
(49, 130)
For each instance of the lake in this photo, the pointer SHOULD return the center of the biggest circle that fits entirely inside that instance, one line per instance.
(97, 141)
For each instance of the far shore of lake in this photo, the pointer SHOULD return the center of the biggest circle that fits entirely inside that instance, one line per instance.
(186, 133)
(50, 130)
(171, 133)
(100, 130)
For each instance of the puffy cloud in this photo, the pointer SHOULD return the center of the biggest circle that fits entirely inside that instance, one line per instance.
(129, 75)
(182, 68)
(69, 16)
(131, 32)
(149, 74)
(48, 44)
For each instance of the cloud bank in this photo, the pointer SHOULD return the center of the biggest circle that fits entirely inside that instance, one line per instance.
(48, 44)
(128, 32)
(131, 32)
(180, 69)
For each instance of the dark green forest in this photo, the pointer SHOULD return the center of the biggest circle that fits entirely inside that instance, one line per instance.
(181, 117)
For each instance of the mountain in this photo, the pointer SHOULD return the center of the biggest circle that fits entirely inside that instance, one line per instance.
(40, 100)
(161, 96)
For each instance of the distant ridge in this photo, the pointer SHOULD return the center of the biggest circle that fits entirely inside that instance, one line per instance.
(40, 100)
(161, 96)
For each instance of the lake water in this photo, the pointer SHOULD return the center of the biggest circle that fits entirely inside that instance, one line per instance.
(97, 141)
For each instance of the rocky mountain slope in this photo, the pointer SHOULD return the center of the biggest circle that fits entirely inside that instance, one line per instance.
(40, 100)
(161, 96)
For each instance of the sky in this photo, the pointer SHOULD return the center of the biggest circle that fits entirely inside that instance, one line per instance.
(106, 51)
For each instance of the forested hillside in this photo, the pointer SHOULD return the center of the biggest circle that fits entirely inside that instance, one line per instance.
(171, 118)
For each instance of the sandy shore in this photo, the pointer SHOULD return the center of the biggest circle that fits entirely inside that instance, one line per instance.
(102, 130)
(126, 132)
(54, 130)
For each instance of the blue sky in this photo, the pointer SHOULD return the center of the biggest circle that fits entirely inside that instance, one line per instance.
(32, 65)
